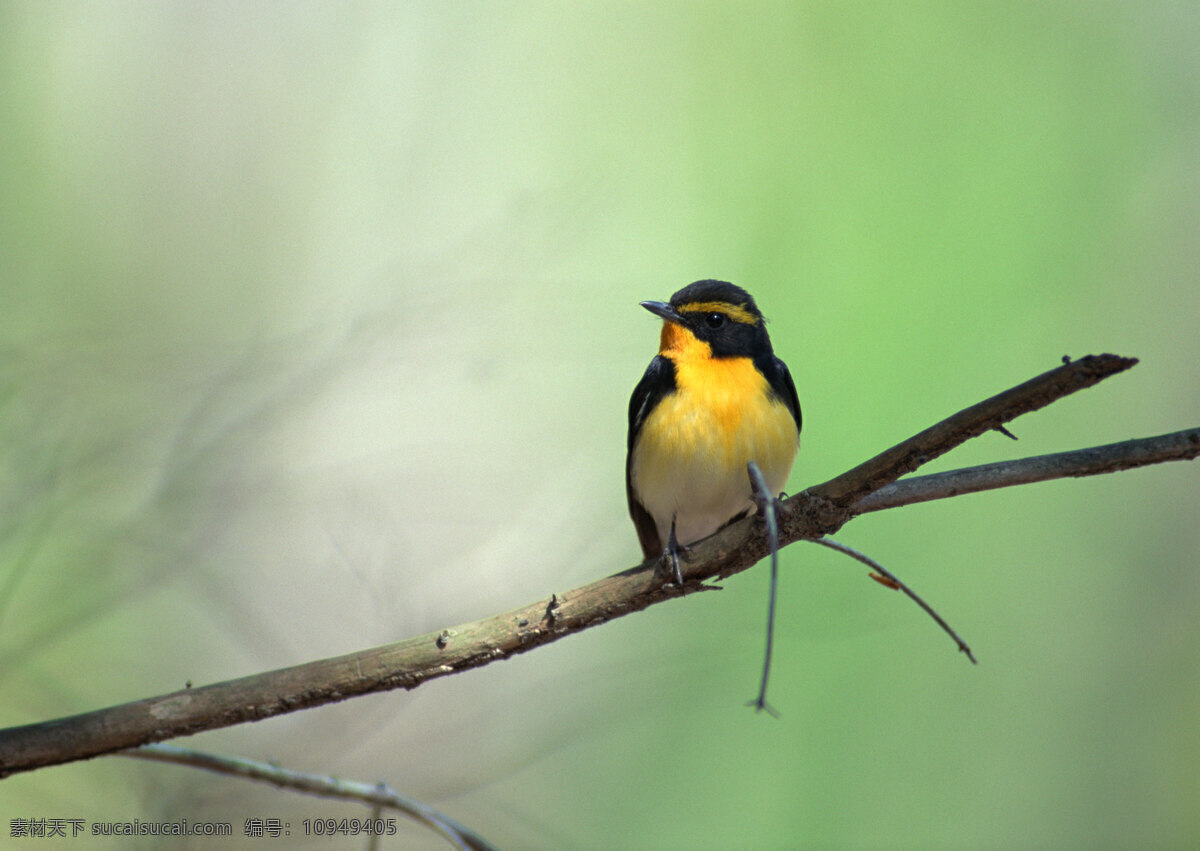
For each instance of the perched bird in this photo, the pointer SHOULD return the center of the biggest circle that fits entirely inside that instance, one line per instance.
(714, 399)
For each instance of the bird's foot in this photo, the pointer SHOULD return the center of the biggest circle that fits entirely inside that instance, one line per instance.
(670, 557)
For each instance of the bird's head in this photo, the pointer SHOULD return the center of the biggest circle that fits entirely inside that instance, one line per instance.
(715, 316)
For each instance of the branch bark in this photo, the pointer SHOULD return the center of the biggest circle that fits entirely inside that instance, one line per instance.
(1110, 458)
(406, 664)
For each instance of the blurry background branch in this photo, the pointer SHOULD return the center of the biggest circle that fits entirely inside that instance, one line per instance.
(406, 664)
(380, 795)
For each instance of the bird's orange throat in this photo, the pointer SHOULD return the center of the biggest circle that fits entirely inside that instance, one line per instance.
(679, 343)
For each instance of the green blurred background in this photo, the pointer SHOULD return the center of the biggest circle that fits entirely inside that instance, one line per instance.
(318, 326)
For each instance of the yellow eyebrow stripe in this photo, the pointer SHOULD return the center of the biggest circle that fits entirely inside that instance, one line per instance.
(736, 312)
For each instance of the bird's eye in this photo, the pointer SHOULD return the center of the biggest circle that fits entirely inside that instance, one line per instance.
(714, 320)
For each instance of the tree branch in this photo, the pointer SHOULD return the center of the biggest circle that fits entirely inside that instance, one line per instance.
(379, 795)
(406, 664)
(1110, 458)
(936, 440)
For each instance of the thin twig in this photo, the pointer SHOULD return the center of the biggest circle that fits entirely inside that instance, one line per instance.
(379, 795)
(376, 813)
(894, 582)
(766, 502)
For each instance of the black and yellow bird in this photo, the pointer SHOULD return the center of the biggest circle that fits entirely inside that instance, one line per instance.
(714, 399)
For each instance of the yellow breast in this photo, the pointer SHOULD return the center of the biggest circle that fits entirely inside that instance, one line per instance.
(689, 462)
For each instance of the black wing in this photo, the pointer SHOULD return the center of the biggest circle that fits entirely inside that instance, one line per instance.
(780, 379)
(658, 381)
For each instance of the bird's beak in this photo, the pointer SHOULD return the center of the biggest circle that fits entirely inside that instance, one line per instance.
(661, 308)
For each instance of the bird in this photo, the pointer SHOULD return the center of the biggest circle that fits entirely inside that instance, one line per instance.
(714, 399)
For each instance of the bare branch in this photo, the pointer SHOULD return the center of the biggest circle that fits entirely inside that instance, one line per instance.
(406, 664)
(1111, 458)
(936, 440)
(379, 795)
